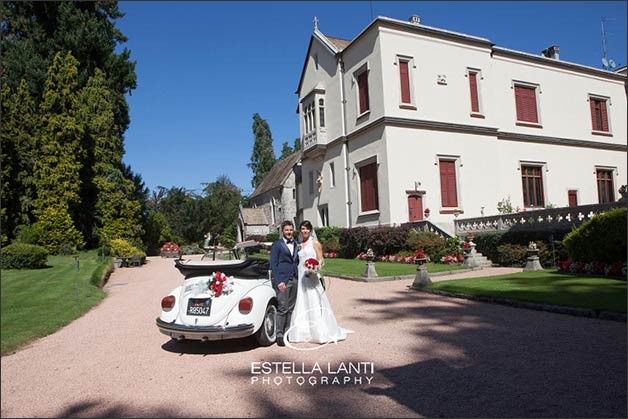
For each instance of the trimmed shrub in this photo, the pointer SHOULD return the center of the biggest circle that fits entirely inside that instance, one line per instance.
(192, 250)
(27, 233)
(603, 238)
(57, 232)
(487, 244)
(431, 243)
(512, 254)
(387, 240)
(123, 248)
(328, 233)
(354, 241)
(23, 256)
(271, 237)
(331, 245)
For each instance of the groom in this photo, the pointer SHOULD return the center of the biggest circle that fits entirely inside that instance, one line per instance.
(284, 260)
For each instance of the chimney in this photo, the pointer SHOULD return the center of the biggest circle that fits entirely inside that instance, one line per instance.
(551, 52)
(414, 19)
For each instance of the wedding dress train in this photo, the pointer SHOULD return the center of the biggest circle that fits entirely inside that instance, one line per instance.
(312, 319)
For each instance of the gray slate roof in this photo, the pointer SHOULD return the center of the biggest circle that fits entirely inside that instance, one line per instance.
(254, 216)
(278, 174)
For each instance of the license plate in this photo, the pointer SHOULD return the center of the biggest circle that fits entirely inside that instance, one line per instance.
(199, 306)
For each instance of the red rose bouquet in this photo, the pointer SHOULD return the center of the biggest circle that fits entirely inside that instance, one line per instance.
(311, 265)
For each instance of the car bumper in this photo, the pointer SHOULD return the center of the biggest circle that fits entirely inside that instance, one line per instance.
(181, 331)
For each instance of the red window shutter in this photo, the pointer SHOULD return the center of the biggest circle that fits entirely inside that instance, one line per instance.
(604, 116)
(448, 189)
(368, 187)
(473, 85)
(594, 122)
(405, 81)
(363, 91)
(525, 100)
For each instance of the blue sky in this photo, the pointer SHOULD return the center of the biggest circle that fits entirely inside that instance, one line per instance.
(204, 68)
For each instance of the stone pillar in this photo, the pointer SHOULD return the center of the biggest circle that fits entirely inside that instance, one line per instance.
(422, 277)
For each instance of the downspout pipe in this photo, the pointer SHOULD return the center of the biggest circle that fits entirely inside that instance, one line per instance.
(345, 145)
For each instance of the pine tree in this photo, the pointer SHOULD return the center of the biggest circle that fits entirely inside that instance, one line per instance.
(109, 201)
(297, 144)
(286, 150)
(263, 157)
(19, 126)
(58, 166)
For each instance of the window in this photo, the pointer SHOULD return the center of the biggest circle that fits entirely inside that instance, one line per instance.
(599, 114)
(321, 110)
(448, 188)
(311, 175)
(404, 76)
(323, 212)
(525, 101)
(294, 193)
(368, 188)
(332, 175)
(605, 189)
(572, 196)
(532, 180)
(363, 91)
(474, 77)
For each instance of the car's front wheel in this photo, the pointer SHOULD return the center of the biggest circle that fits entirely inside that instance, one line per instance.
(267, 332)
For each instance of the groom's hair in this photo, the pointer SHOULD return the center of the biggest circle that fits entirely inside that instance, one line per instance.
(287, 223)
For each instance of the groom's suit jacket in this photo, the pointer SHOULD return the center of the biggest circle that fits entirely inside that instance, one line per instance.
(283, 264)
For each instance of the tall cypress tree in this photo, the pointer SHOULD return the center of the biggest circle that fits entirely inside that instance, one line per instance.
(58, 166)
(108, 196)
(19, 126)
(263, 157)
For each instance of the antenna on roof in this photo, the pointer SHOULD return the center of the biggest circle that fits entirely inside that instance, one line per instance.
(606, 63)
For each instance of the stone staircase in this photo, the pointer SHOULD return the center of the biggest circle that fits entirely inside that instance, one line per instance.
(482, 260)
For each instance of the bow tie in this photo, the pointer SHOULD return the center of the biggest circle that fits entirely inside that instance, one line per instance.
(290, 241)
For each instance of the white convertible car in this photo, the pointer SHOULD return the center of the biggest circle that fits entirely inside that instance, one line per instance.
(221, 300)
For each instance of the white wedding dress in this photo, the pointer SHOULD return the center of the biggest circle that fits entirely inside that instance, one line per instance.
(312, 319)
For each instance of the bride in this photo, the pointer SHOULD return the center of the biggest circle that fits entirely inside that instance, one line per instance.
(312, 319)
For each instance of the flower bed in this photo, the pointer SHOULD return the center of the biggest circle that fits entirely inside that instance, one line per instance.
(616, 269)
(170, 250)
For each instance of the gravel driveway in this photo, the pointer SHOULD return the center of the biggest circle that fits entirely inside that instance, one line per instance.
(432, 356)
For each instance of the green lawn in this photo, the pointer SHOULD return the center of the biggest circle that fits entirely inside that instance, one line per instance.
(37, 302)
(552, 287)
(355, 267)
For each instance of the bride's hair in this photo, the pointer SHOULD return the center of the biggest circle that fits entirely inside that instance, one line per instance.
(307, 225)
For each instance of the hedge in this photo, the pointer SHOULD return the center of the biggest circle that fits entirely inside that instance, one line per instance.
(23, 256)
(601, 239)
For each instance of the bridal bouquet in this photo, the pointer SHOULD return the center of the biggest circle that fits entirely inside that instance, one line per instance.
(311, 266)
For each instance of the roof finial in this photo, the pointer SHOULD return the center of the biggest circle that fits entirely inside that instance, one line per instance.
(315, 23)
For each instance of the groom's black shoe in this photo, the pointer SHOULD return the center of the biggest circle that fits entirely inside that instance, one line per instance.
(280, 341)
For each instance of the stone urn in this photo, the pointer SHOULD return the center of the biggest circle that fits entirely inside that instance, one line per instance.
(370, 271)
(533, 263)
(422, 277)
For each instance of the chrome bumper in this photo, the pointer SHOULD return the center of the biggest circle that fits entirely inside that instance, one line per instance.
(181, 331)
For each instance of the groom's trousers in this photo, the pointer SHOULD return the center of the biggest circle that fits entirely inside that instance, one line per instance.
(285, 305)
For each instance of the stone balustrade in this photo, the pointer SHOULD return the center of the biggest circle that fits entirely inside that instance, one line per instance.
(566, 215)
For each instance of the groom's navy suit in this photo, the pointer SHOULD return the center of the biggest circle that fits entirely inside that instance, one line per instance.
(284, 267)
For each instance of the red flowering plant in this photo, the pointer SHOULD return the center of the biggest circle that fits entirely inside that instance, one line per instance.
(170, 247)
(312, 266)
(419, 254)
(219, 284)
